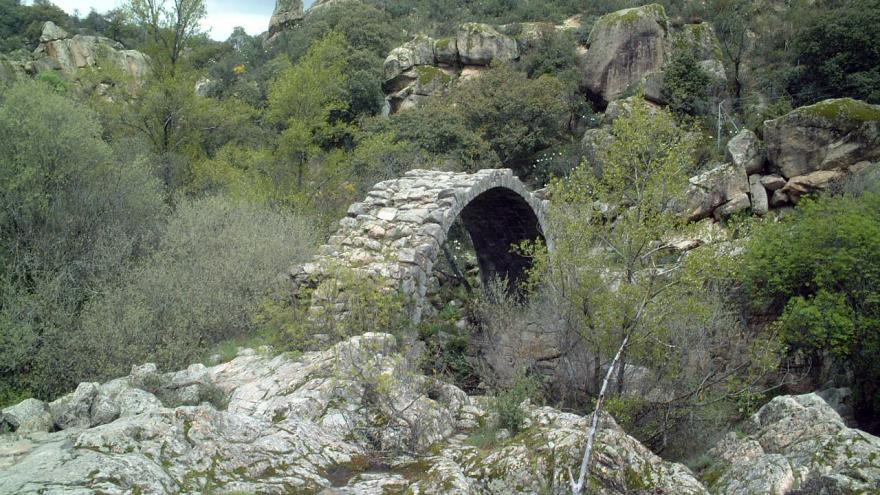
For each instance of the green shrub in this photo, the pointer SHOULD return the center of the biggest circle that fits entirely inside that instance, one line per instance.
(73, 217)
(508, 403)
(685, 84)
(552, 53)
(819, 270)
(440, 129)
(54, 81)
(201, 286)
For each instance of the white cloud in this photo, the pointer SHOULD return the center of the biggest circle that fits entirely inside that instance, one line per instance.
(221, 24)
(223, 15)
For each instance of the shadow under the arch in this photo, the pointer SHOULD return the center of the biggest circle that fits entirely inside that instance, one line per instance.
(496, 220)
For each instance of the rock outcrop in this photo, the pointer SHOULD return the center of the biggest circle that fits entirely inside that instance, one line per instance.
(537, 460)
(796, 444)
(624, 47)
(59, 51)
(804, 152)
(629, 49)
(27, 416)
(306, 425)
(286, 14)
(425, 67)
(746, 150)
(624, 108)
(481, 44)
(832, 134)
(317, 423)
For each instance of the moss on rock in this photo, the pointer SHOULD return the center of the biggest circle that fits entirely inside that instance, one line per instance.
(843, 110)
(632, 15)
(428, 74)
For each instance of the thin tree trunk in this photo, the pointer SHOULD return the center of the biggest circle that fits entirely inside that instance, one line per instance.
(577, 487)
(456, 270)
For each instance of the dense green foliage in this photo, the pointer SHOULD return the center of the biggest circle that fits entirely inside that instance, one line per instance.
(820, 272)
(516, 116)
(837, 49)
(74, 216)
(686, 85)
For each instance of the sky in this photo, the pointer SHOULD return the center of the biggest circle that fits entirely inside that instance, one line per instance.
(223, 15)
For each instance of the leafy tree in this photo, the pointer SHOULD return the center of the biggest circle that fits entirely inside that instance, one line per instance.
(170, 28)
(11, 13)
(644, 173)
(306, 101)
(517, 116)
(685, 85)
(836, 52)
(820, 272)
(628, 300)
(732, 20)
(363, 73)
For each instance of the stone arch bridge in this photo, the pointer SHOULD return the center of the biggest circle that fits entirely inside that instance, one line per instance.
(395, 234)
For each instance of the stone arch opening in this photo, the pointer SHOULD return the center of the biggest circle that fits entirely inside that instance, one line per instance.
(496, 220)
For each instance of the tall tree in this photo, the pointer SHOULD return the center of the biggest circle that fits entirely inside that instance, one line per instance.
(170, 26)
(306, 102)
(633, 301)
(732, 22)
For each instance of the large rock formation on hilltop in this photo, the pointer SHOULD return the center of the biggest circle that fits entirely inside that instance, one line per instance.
(59, 51)
(286, 14)
(630, 48)
(624, 47)
(425, 67)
